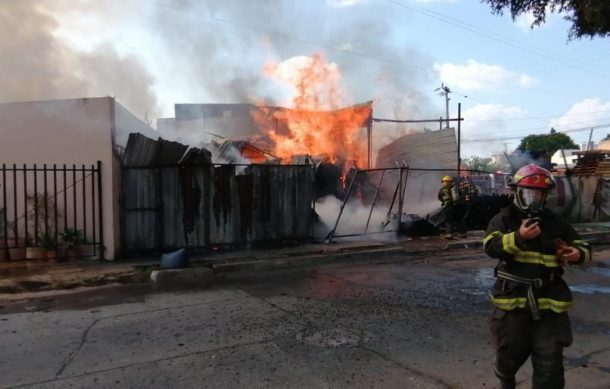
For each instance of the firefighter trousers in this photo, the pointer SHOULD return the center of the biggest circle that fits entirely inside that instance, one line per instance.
(516, 336)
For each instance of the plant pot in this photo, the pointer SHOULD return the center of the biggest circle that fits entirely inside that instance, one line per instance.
(74, 253)
(35, 253)
(16, 253)
(51, 254)
(12, 242)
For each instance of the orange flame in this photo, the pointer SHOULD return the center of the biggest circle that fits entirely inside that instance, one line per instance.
(313, 125)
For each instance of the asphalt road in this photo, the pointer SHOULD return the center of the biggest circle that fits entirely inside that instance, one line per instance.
(416, 323)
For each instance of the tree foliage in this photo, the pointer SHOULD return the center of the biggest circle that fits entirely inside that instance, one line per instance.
(482, 164)
(546, 145)
(589, 18)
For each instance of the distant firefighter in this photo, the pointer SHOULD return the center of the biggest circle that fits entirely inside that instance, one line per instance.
(450, 199)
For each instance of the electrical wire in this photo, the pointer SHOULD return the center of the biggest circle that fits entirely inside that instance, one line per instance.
(498, 38)
(338, 49)
(574, 130)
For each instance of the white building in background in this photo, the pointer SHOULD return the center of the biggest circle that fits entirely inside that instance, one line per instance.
(73, 131)
(570, 158)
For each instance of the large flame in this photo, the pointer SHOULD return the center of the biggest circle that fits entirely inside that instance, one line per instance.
(313, 125)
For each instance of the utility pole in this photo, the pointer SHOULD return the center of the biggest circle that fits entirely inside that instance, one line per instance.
(589, 146)
(444, 91)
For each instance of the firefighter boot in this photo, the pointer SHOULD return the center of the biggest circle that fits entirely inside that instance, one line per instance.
(508, 383)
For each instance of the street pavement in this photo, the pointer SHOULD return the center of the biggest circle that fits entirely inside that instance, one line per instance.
(385, 320)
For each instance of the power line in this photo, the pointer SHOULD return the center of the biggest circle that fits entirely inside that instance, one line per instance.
(338, 49)
(537, 117)
(574, 130)
(498, 38)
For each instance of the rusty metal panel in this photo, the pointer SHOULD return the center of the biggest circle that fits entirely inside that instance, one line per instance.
(432, 149)
(224, 215)
(140, 150)
(140, 208)
(168, 152)
(196, 206)
(171, 212)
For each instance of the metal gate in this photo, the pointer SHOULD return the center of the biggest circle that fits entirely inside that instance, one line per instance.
(51, 207)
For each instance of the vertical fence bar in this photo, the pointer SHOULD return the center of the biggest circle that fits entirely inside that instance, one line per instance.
(65, 192)
(404, 187)
(84, 204)
(25, 202)
(374, 201)
(56, 221)
(46, 201)
(35, 242)
(15, 214)
(101, 209)
(4, 215)
(93, 234)
(331, 234)
(74, 194)
(400, 184)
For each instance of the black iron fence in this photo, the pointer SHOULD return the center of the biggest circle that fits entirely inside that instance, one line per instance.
(49, 211)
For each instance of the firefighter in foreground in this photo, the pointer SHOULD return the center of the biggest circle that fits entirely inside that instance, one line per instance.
(531, 299)
(449, 197)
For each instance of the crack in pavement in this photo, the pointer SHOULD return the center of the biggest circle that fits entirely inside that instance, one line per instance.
(85, 333)
(83, 340)
(312, 324)
(407, 368)
(583, 361)
(148, 362)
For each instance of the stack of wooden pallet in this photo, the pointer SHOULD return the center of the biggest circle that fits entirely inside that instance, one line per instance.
(593, 162)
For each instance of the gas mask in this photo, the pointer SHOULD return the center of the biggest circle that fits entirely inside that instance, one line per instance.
(530, 200)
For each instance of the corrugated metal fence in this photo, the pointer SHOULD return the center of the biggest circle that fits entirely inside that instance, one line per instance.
(168, 207)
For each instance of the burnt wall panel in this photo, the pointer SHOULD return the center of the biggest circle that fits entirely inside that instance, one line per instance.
(140, 207)
(199, 206)
(172, 210)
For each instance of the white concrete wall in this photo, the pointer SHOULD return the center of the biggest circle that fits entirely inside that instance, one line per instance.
(74, 131)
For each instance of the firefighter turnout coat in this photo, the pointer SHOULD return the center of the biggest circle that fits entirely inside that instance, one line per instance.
(448, 196)
(528, 272)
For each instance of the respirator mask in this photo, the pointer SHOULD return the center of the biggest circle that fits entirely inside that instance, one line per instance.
(531, 200)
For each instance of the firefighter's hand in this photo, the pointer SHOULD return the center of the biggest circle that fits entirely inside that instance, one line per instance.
(568, 254)
(529, 231)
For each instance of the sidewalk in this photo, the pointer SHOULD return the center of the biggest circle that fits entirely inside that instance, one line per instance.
(24, 278)
(40, 276)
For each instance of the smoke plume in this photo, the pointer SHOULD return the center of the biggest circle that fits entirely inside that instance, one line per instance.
(38, 65)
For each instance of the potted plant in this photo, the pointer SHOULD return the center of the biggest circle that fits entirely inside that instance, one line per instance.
(41, 215)
(72, 239)
(49, 243)
(15, 246)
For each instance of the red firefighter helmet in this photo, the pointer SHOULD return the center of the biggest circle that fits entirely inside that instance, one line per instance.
(533, 177)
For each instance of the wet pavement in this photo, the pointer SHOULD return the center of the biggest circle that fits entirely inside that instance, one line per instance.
(416, 321)
(26, 279)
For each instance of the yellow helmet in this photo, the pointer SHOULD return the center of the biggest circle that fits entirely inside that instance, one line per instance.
(446, 179)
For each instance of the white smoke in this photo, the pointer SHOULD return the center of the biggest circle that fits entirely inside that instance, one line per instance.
(36, 64)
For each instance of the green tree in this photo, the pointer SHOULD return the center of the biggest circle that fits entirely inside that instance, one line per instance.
(480, 163)
(546, 145)
(589, 18)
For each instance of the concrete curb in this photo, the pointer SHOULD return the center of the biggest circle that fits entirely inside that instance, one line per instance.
(300, 261)
(192, 275)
